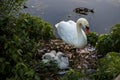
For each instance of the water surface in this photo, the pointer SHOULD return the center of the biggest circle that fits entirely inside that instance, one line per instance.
(107, 12)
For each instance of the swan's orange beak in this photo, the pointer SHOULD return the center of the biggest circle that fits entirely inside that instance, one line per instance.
(87, 30)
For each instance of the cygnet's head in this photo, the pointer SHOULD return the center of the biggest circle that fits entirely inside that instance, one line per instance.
(62, 60)
(60, 55)
(49, 57)
(53, 52)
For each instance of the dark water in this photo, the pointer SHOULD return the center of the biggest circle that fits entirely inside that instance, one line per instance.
(107, 12)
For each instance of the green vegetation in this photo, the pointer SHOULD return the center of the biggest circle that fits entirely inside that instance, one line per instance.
(109, 42)
(10, 7)
(108, 67)
(72, 75)
(19, 41)
(92, 38)
(35, 27)
(108, 45)
(104, 40)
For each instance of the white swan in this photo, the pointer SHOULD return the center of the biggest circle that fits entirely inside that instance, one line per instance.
(62, 60)
(72, 33)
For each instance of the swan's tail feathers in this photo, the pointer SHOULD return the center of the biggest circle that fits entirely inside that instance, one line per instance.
(56, 25)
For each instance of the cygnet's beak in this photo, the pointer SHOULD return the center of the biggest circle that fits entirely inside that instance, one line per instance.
(87, 30)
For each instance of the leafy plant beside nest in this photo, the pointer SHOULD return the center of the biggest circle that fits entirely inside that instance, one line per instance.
(92, 38)
(108, 67)
(109, 42)
(19, 41)
(35, 27)
(72, 75)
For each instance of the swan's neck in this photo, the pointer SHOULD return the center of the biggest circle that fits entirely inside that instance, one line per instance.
(79, 29)
(82, 39)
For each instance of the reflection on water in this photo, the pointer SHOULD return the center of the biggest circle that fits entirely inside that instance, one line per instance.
(107, 12)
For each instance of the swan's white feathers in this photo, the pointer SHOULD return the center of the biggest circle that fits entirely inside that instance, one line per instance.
(84, 22)
(62, 60)
(71, 32)
(67, 29)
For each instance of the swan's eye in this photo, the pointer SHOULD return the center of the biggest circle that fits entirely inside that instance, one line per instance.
(87, 27)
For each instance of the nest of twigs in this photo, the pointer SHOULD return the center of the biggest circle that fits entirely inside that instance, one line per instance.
(79, 59)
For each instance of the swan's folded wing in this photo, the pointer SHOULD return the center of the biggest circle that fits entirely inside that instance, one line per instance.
(67, 31)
